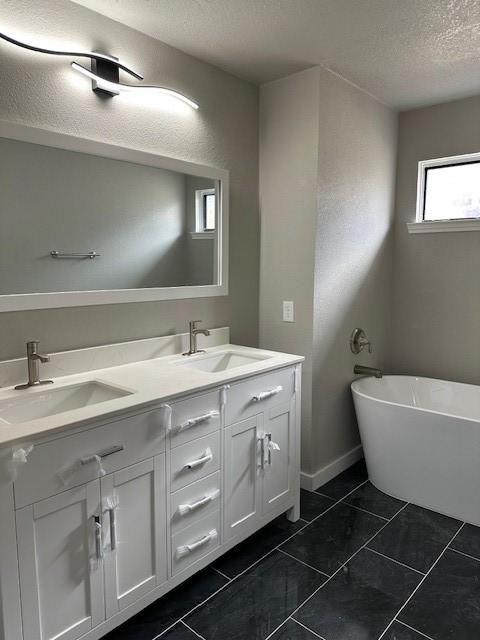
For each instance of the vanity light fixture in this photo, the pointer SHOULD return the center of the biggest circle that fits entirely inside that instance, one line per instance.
(105, 71)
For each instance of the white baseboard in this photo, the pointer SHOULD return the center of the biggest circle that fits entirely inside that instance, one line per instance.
(312, 481)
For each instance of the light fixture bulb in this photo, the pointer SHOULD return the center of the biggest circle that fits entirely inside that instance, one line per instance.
(117, 87)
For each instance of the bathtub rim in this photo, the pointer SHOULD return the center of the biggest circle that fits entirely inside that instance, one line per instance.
(355, 391)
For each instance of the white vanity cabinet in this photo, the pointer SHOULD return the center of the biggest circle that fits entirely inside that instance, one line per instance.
(133, 507)
(88, 552)
(61, 582)
(260, 450)
(107, 517)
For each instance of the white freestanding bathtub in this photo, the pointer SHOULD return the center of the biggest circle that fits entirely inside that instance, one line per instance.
(421, 439)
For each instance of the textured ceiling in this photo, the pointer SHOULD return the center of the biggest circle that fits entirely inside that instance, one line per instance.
(407, 53)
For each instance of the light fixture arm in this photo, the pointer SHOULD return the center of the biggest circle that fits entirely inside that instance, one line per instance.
(92, 55)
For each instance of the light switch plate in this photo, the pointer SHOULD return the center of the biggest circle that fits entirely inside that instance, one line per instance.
(288, 311)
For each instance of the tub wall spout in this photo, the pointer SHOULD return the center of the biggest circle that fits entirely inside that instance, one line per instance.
(360, 370)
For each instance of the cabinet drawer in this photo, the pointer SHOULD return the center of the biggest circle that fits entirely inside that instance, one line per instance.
(194, 460)
(195, 541)
(194, 502)
(68, 462)
(194, 417)
(255, 395)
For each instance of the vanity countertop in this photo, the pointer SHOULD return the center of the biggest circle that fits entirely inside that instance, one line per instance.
(146, 382)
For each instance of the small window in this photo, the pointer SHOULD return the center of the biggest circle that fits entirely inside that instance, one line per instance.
(448, 196)
(452, 192)
(205, 210)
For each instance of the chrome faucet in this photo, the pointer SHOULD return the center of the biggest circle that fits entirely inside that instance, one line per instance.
(193, 337)
(33, 360)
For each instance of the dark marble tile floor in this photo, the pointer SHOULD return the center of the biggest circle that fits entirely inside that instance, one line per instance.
(329, 541)
(468, 541)
(400, 631)
(180, 632)
(360, 600)
(256, 546)
(370, 499)
(313, 504)
(447, 605)
(416, 537)
(359, 565)
(291, 630)
(253, 606)
(162, 613)
(345, 482)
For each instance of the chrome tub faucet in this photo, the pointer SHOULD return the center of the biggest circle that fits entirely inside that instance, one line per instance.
(193, 338)
(33, 360)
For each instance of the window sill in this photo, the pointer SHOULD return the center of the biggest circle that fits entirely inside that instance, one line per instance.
(444, 226)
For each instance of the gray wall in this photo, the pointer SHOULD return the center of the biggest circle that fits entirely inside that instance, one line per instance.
(353, 253)
(288, 176)
(327, 172)
(43, 91)
(436, 308)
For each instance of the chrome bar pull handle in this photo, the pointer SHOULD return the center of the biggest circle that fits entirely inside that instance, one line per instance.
(113, 528)
(116, 448)
(192, 422)
(207, 457)
(95, 457)
(183, 509)
(185, 549)
(263, 395)
(97, 524)
(269, 446)
(261, 441)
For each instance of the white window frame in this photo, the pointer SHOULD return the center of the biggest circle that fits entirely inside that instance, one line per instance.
(433, 226)
(200, 233)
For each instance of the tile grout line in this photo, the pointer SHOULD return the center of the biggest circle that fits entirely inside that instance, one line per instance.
(334, 504)
(420, 633)
(354, 506)
(339, 569)
(304, 563)
(402, 564)
(220, 573)
(421, 582)
(192, 630)
(302, 625)
(467, 555)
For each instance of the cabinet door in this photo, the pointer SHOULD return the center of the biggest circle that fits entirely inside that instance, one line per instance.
(134, 513)
(278, 464)
(242, 476)
(61, 579)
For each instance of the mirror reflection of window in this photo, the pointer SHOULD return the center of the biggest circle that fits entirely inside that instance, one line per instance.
(205, 210)
(209, 211)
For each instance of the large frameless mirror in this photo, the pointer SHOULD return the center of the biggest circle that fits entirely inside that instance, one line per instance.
(82, 222)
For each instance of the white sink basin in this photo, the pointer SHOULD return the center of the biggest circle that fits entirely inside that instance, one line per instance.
(220, 361)
(32, 405)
